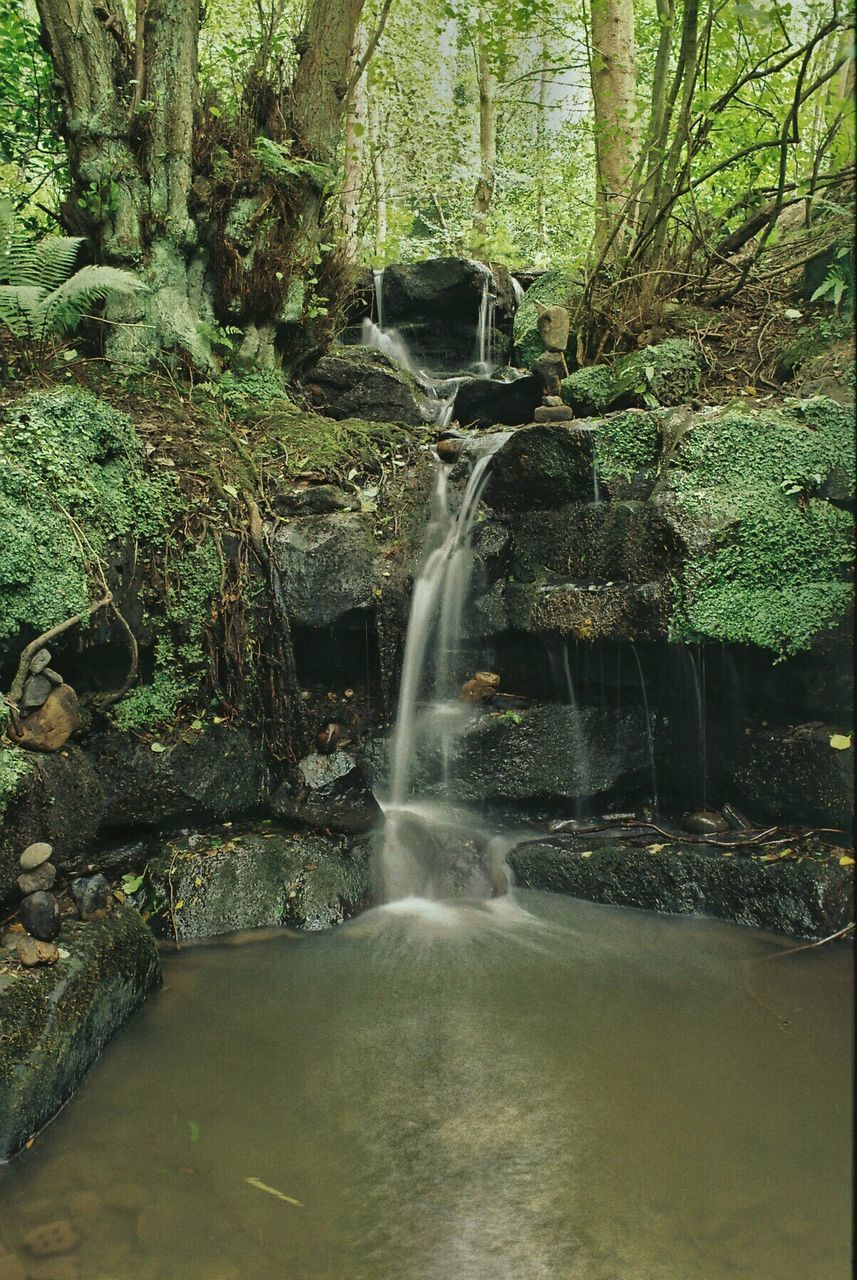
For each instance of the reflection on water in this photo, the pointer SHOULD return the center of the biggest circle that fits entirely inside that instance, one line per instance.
(531, 1089)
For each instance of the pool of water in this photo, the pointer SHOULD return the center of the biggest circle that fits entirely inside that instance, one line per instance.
(541, 1089)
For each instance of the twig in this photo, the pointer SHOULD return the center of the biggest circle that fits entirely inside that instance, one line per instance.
(29, 651)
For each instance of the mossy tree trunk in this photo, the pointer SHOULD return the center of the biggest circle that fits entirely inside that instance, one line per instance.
(130, 102)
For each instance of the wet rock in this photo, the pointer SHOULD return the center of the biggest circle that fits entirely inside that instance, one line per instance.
(606, 541)
(480, 687)
(41, 660)
(49, 727)
(359, 382)
(705, 822)
(550, 368)
(327, 565)
(308, 881)
(52, 1239)
(450, 448)
(40, 915)
(552, 413)
(32, 952)
(221, 772)
(42, 878)
(314, 500)
(806, 899)
(586, 610)
(92, 897)
(434, 305)
(793, 773)
(486, 402)
(328, 792)
(58, 1025)
(54, 676)
(35, 855)
(545, 465)
(36, 691)
(554, 326)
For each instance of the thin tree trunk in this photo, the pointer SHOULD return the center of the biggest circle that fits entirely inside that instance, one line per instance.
(379, 189)
(614, 92)
(321, 82)
(541, 153)
(355, 147)
(484, 193)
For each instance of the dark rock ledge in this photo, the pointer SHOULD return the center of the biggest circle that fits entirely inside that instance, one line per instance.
(55, 1021)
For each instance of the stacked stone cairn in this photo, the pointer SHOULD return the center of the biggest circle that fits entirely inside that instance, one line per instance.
(554, 324)
(34, 939)
(48, 711)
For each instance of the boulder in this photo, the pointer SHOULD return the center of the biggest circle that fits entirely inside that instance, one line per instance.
(793, 773)
(50, 726)
(263, 879)
(808, 898)
(601, 541)
(360, 382)
(545, 465)
(485, 402)
(554, 324)
(587, 611)
(666, 374)
(57, 1019)
(327, 565)
(218, 772)
(312, 500)
(328, 792)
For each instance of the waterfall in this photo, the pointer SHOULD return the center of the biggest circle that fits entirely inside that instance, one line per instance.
(430, 670)
(378, 281)
(389, 342)
(484, 341)
(650, 737)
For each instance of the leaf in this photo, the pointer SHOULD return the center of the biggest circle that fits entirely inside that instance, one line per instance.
(132, 884)
(196, 724)
(792, 314)
(231, 490)
(272, 1191)
(845, 861)
(157, 747)
(586, 853)
(179, 905)
(840, 741)
(655, 848)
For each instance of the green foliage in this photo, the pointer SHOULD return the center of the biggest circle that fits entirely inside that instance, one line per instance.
(838, 284)
(276, 161)
(41, 293)
(625, 443)
(666, 374)
(590, 391)
(72, 478)
(13, 767)
(776, 567)
(322, 446)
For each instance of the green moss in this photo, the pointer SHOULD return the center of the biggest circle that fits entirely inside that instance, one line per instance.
(667, 374)
(553, 289)
(775, 570)
(72, 478)
(626, 443)
(13, 768)
(318, 445)
(590, 391)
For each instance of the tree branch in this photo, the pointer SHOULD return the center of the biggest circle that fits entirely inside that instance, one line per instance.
(371, 46)
(29, 651)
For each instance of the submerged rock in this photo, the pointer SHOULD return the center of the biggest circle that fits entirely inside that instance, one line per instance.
(57, 1019)
(261, 879)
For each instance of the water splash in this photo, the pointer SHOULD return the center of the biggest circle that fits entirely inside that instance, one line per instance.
(430, 718)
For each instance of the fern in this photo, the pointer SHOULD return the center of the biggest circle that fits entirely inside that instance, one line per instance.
(41, 294)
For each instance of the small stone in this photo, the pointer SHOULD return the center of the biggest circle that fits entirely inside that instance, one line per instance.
(554, 325)
(92, 897)
(40, 661)
(550, 368)
(36, 692)
(40, 916)
(52, 1239)
(480, 687)
(11, 1267)
(42, 878)
(705, 822)
(553, 413)
(555, 401)
(449, 449)
(32, 952)
(53, 676)
(34, 855)
(329, 738)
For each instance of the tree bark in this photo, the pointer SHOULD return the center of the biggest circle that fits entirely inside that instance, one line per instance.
(379, 179)
(321, 81)
(484, 193)
(614, 92)
(355, 148)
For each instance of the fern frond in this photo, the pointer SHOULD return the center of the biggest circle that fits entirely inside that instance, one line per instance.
(16, 250)
(63, 309)
(53, 261)
(19, 309)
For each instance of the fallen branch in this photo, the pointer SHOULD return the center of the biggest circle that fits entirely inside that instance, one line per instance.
(29, 651)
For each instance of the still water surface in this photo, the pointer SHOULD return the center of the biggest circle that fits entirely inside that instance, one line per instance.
(544, 1089)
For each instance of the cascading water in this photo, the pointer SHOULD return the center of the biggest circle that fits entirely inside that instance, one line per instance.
(430, 716)
(484, 341)
(650, 737)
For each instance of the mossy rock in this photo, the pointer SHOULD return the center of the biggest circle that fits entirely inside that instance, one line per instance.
(667, 374)
(57, 1020)
(767, 559)
(553, 289)
(544, 465)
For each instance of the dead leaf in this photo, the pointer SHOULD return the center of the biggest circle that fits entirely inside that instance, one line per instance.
(840, 741)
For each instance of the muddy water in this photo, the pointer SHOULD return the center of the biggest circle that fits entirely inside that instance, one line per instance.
(540, 1090)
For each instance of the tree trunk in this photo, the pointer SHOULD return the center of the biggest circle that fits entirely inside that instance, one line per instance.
(614, 92)
(541, 154)
(379, 188)
(355, 147)
(487, 149)
(320, 89)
